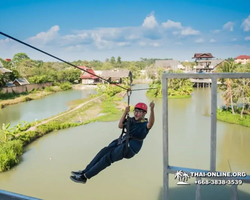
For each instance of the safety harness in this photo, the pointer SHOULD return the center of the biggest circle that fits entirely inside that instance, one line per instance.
(126, 128)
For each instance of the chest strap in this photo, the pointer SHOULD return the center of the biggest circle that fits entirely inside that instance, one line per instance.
(125, 130)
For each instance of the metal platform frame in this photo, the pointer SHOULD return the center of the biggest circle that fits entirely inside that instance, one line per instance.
(173, 169)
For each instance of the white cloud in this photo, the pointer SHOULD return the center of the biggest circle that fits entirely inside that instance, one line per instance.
(212, 40)
(44, 37)
(234, 39)
(100, 43)
(133, 36)
(122, 44)
(189, 31)
(185, 31)
(171, 24)
(142, 43)
(246, 24)
(75, 48)
(155, 44)
(200, 40)
(247, 38)
(5, 41)
(150, 21)
(229, 26)
(215, 31)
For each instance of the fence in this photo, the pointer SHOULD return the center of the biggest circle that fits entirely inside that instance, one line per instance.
(25, 88)
(173, 169)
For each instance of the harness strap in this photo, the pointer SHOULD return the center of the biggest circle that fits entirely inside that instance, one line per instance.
(125, 130)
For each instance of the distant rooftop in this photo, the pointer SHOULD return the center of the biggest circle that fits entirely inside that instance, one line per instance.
(4, 70)
(242, 57)
(203, 55)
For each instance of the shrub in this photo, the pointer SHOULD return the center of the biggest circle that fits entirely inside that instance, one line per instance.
(27, 99)
(66, 86)
(9, 153)
(48, 89)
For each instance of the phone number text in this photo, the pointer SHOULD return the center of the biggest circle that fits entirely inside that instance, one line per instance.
(218, 182)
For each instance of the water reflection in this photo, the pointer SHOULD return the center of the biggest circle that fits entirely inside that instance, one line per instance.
(41, 108)
(234, 149)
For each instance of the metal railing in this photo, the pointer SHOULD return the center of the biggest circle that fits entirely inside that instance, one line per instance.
(213, 130)
(5, 195)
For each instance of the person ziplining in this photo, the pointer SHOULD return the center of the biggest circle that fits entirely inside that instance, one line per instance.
(126, 146)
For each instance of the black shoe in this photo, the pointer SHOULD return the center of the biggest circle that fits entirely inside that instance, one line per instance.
(78, 179)
(77, 173)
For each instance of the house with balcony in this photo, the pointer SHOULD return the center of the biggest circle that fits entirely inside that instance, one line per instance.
(205, 62)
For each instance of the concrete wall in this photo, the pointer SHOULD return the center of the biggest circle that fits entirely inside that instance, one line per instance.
(24, 88)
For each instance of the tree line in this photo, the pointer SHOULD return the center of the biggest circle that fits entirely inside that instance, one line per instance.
(37, 71)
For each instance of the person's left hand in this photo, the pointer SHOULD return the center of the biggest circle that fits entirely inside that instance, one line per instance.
(152, 105)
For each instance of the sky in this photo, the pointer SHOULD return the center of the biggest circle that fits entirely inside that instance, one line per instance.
(132, 29)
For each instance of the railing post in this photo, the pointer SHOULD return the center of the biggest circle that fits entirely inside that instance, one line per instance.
(234, 195)
(165, 138)
(198, 190)
(213, 124)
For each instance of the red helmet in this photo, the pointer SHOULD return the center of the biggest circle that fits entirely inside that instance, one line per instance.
(142, 106)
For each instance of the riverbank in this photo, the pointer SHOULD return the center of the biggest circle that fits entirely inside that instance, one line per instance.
(228, 117)
(95, 108)
(11, 99)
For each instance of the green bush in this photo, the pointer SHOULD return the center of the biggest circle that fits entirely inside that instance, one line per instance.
(48, 89)
(39, 79)
(66, 86)
(9, 153)
(46, 128)
(27, 99)
(29, 136)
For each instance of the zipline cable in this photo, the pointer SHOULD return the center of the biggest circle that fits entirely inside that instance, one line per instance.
(57, 58)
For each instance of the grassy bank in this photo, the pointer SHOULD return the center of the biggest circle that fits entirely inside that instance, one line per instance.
(13, 98)
(227, 116)
(14, 140)
(169, 97)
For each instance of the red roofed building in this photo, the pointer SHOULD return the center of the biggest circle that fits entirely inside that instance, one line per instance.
(243, 59)
(88, 76)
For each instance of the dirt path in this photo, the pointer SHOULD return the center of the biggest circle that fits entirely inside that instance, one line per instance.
(33, 128)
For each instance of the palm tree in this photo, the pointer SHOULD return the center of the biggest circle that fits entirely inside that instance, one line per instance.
(228, 67)
(242, 93)
(179, 175)
(185, 176)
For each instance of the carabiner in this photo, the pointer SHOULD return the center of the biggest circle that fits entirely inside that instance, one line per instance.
(129, 92)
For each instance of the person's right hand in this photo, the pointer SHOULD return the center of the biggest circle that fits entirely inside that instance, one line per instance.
(127, 109)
